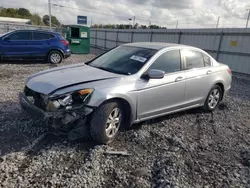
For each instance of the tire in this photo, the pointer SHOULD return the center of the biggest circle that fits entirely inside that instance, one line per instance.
(211, 99)
(100, 129)
(1, 58)
(55, 57)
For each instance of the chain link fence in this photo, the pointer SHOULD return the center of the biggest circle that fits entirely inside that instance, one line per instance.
(7, 27)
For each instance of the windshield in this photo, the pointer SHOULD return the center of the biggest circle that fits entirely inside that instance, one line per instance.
(6, 33)
(123, 59)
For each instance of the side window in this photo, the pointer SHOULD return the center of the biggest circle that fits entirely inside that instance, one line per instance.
(20, 36)
(42, 36)
(168, 62)
(193, 59)
(207, 60)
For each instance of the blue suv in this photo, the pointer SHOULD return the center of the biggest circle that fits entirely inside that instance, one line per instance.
(34, 44)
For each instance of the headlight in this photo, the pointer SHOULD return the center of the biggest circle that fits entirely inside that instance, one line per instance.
(66, 100)
(70, 99)
(85, 93)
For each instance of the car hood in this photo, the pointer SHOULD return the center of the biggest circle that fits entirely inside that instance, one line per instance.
(53, 79)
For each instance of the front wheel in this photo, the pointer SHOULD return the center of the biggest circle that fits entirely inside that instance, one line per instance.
(106, 122)
(213, 99)
(55, 57)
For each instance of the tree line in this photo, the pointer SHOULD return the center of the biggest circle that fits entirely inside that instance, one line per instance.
(127, 26)
(44, 21)
(26, 14)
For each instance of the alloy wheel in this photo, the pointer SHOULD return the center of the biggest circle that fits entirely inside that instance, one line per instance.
(55, 58)
(214, 98)
(113, 122)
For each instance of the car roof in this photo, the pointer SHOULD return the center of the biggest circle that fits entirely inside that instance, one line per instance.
(39, 30)
(154, 45)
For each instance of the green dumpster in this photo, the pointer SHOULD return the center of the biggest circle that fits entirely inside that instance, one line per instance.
(78, 37)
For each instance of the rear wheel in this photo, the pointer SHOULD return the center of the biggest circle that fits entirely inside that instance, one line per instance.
(213, 99)
(55, 57)
(106, 122)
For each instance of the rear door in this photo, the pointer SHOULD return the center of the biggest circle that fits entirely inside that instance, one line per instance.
(160, 96)
(198, 76)
(40, 43)
(15, 44)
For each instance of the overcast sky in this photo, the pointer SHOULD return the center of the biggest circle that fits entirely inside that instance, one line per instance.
(190, 13)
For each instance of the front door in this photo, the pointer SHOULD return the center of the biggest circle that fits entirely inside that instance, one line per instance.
(159, 96)
(15, 45)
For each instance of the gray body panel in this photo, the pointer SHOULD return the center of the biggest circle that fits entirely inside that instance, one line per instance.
(53, 79)
(147, 98)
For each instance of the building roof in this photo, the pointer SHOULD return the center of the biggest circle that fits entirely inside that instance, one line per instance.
(14, 20)
(152, 45)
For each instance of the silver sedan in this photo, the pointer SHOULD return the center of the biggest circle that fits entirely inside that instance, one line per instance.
(128, 84)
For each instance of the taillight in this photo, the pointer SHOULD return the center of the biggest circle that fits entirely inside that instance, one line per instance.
(229, 71)
(65, 42)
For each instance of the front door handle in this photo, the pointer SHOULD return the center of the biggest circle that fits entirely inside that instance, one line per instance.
(178, 79)
(209, 72)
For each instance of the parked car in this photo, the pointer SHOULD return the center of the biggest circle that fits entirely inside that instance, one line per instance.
(34, 44)
(128, 84)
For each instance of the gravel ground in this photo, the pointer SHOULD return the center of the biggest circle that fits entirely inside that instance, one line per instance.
(187, 149)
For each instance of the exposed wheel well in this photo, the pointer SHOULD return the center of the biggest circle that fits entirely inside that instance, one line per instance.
(126, 107)
(222, 88)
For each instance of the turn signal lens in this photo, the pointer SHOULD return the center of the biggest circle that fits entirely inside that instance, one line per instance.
(85, 91)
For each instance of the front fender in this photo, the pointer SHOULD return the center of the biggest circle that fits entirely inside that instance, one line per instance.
(99, 98)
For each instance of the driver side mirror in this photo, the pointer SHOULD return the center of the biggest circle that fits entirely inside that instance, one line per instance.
(154, 74)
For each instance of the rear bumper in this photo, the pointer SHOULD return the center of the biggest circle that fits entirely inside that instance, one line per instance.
(67, 54)
(226, 91)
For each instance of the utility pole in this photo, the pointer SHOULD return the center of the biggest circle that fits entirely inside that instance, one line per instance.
(248, 17)
(177, 23)
(130, 24)
(134, 21)
(218, 22)
(49, 14)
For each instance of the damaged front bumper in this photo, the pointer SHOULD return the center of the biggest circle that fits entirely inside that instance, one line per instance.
(33, 110)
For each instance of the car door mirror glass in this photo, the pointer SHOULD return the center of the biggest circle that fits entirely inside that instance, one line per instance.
(155, 74)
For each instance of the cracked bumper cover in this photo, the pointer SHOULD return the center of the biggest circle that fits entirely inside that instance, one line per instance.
(37, 112)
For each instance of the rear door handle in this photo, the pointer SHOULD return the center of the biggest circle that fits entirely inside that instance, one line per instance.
(178, 79)
(209, 72)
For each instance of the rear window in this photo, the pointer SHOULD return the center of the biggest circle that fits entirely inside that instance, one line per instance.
(207, 60)
(42, 36)
(62, 37)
